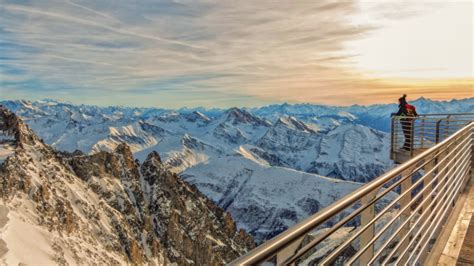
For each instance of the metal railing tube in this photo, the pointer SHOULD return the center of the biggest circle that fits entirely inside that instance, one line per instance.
(426, 221)
(424, 134)
(453, 195)
(444, 208)
(399, 229)
(386, 226)
(356, 212)
(445, 114)
(379, 215)
(346, 219)
(407, 219)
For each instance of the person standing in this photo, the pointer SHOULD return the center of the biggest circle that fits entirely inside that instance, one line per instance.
(408, 113)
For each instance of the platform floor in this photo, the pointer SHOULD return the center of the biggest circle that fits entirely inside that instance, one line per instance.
(466, 256)
(458, 238)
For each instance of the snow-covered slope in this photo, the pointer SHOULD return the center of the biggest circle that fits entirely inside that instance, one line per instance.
(105, 209)
(264, 200)
(354, 152)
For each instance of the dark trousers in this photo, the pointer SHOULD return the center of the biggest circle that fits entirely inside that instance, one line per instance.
(407, 128)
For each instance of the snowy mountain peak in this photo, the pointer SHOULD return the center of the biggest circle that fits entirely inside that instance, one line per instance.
(422, 99)
(196, 116)
(154, 157)
(191, 142)
(241, 116)
(13, 128)
(347, 115)
(293, 123)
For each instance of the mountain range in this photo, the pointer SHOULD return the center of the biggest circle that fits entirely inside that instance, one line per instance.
(269, 166)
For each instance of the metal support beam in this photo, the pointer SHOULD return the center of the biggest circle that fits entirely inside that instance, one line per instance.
(367, 216)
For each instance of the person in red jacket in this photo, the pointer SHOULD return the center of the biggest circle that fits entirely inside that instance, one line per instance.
(408, 112)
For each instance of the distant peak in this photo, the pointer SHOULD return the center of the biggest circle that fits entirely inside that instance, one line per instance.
(293, 123)
(197, 116)
(422, 99)
(235, 110)
(237, 115)
(50, 100)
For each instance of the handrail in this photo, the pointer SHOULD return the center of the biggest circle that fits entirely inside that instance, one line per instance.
(386, 209)
(445, 114)
(270, 248)
(412, 134)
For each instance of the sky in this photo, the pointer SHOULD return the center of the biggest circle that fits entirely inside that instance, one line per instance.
(235, 53)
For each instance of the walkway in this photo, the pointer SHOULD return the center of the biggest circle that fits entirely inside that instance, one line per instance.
(466, 257)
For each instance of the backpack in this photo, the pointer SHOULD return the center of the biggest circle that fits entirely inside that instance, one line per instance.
(411, 110)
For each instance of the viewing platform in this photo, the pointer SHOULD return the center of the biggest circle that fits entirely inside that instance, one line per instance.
(419, 213)
(425, 130)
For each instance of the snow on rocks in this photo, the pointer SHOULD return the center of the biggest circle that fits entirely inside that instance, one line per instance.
(105, 208)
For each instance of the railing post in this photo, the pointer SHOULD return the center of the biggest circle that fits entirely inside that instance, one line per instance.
(447, 126)
(392, 139)
(366, 216)
(472, 154)
(427, 179)
(422, 134)
(405, 200)
(437, 130)
(412, 136)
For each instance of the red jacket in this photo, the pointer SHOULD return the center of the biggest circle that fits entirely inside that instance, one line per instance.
(406, 110)
(410, 110)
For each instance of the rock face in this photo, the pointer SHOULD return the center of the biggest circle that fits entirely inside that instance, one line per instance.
(105, 208)
(190, 223)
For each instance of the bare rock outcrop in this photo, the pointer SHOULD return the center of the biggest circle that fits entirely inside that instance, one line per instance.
(132, 213)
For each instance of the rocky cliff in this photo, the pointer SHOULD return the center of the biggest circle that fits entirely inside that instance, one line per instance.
(105, 208)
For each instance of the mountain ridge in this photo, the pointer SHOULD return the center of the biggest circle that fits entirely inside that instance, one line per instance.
(346, 144)
(104, 208)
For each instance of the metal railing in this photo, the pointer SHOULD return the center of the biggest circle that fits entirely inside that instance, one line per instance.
(394, 219)
(410, 135)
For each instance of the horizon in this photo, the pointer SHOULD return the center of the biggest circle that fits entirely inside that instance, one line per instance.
(177, 54)
(62, 101)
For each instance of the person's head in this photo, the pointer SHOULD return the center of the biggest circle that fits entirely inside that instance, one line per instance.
(402, 100)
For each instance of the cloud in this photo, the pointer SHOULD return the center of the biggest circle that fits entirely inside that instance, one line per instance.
(177, 53)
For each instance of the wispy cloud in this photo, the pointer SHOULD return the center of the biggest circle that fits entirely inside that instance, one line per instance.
(176, 53)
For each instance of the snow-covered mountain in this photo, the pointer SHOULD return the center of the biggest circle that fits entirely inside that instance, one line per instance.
(376, 116)
(287, 141)
(264, 200)
(263, 165)
(107, 209)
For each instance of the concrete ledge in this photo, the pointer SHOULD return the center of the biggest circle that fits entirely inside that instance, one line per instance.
(448, 246)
